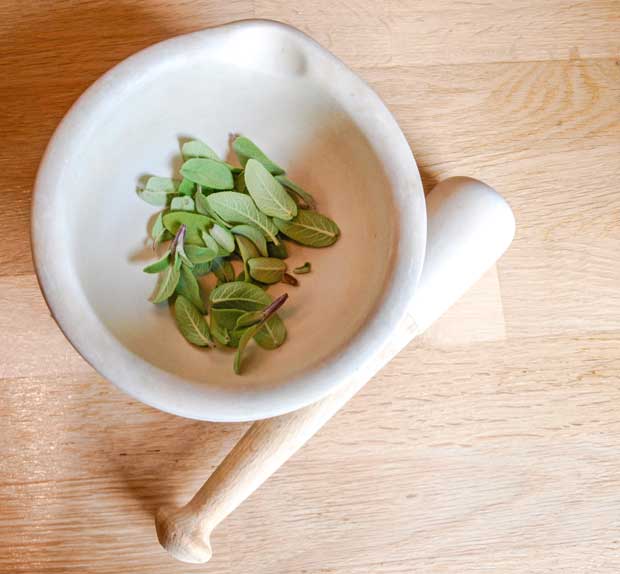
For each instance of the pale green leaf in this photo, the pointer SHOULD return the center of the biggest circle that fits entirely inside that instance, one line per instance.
(159, 190)
(254, 235)
(197, 148)
(208, 172)
(198, 254)
(267, 193)
(183, 203)
(247, 149)
(236, 207)
(202, 206)
(186, 188)
(159, 265)
(189, 288)
(168, 282)
(195, 223)
(224, 237)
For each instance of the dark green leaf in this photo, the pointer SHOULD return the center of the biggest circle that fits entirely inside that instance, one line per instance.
(266, 269)
(309, 228)
(278, 251)
(189, 288)
(223, 270)
(191, 323)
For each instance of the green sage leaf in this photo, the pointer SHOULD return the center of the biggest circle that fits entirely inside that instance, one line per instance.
(159, 190)
(254, 235)
(266, 269)
(309, 228)
(195, 223)
(197, 148)
(183, 203)
(303, 269)
(197, 254)
(278, 251)
(159, 265)
(236, 207)
(243, 343)
(208, 172)
(223, 270)
(219, 333)
(239, 295)
(240, 183)
(227, 318)
(186, 187)
(268, 195)
(201, 269)
(189, 288)
(191, 323)
(158, 230)
(247, 149)
(224, 237)
(306, 201)
(272, 334)
(168, 281)
(202, 206)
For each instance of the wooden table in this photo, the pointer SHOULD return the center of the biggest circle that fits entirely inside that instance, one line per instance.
(491, 445)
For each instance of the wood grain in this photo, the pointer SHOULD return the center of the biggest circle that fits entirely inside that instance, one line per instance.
(491, 445)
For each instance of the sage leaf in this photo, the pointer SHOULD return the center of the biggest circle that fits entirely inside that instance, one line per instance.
(247, 250)
(239, 295)
(191, 323)
(306, 200)
(158, 190)
(228, 318)
(158, 232)
(159, 265)
(201, 269)
(240, 183)
(254, 235)
(197, 254)
(202, 206)
(224, 237)
(266, 269)
(219, 333)
(197, 148)
(186, 187)
(248, 319)
(303, 269)
(210, 242)
(268, 314)
(235, 207)
(278, 251)
(223, 270)
(189, 288)
(272, 334)
(247, 149)
(168, 281)
(195, 223)
(183, 203)
(268, 195)
(208, 172)
(309, 228)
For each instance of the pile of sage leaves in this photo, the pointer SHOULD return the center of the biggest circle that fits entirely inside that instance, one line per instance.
(217, 213)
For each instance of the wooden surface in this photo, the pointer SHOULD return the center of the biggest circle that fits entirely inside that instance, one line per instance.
(491, 445)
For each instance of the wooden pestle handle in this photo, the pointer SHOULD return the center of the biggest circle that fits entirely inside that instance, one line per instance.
(469, 227)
